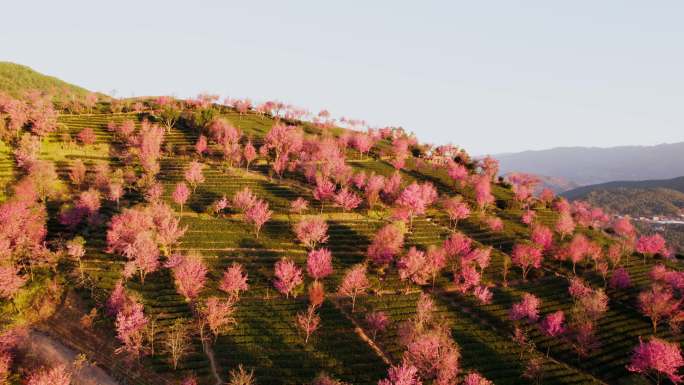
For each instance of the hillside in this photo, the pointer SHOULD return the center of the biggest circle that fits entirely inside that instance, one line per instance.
(148, 209)
(636, 202)
(588, 166)
(16, 79)
(676, 184)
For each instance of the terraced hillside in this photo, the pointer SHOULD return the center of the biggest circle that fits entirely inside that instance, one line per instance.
(265, 337)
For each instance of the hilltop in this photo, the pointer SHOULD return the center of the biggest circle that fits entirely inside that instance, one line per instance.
(16, 79)
(171, 239)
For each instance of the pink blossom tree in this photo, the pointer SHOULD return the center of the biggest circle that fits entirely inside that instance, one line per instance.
(190, 275)
(234, 280)
(308, 322)
(404, 374)
(347, 199)
(77, 173)
(457, 172)
(620, 279)
(527, 257)
(180, 195)
(319, 263)
(311, 231)
(130, 326)
(87, 136)
(623, 227)
(282, 143)
(287, 276)
(483, 192)
(194, 175)
(219, 314)
(258, 215)
(386, 244)
(10, 281)
(657, 358)
(542, 236)
(377, 322)
(475, 378)
(249, 154)
(413, 267)
(565, 225)
(416, 198)
(299, 205)
(374, 186)
(456, 209)
(651, 245)
(527, 309)
(59, 375)
(201, 145)
(658, 303)
(355, 282)
(148, 144)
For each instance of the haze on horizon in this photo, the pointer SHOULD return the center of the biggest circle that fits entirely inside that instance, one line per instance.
(532, 75)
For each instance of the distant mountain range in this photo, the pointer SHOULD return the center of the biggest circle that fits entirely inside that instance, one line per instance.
(580, 166)
(676, 184)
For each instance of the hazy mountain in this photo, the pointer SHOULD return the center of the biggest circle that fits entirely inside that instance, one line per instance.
(592, 165)
(676, 184)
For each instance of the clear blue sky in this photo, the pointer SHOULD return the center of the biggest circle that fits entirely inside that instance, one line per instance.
(492, 76)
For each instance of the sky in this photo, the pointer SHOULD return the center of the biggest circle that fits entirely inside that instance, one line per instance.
(490, 76)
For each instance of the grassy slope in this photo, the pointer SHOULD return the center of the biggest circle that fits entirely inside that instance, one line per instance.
(265, 337)
(15, 79)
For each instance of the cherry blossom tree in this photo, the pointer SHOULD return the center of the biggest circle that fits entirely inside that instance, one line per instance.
(620, 279)
(658, 303)
(311, 231)
(552, 324)
(194, 175)
(319, 263)
(249, 153)
(282, 142)
(148, 143)
(180, 195)
(59, 375)
(377, 322)
(325, 190)
(87, 136)
(542, 236)
(355, 282)
(475, 378)
(483, 192)
(651, 245)
(190, 275)
(457, 245)
(258, 215)
(130, 325)
(565, 225)
(416, 198)
(657, 358)
(435, 261)
(299, 205)
(77, 173)
(287, 276)
(308, 322)
(413, 267)
(527, 309)
(234, 280)
(347, 200)
(527, 256)
(374, 186)
(623, 227)
(457, 172)
(386, 244)
(404, 374)
(456, 209)
(201, 145)
(219, 314)
(10, 281)
(244, 199)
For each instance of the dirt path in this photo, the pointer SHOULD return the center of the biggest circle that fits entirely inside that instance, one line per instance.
(212, 362)
(43, 348)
